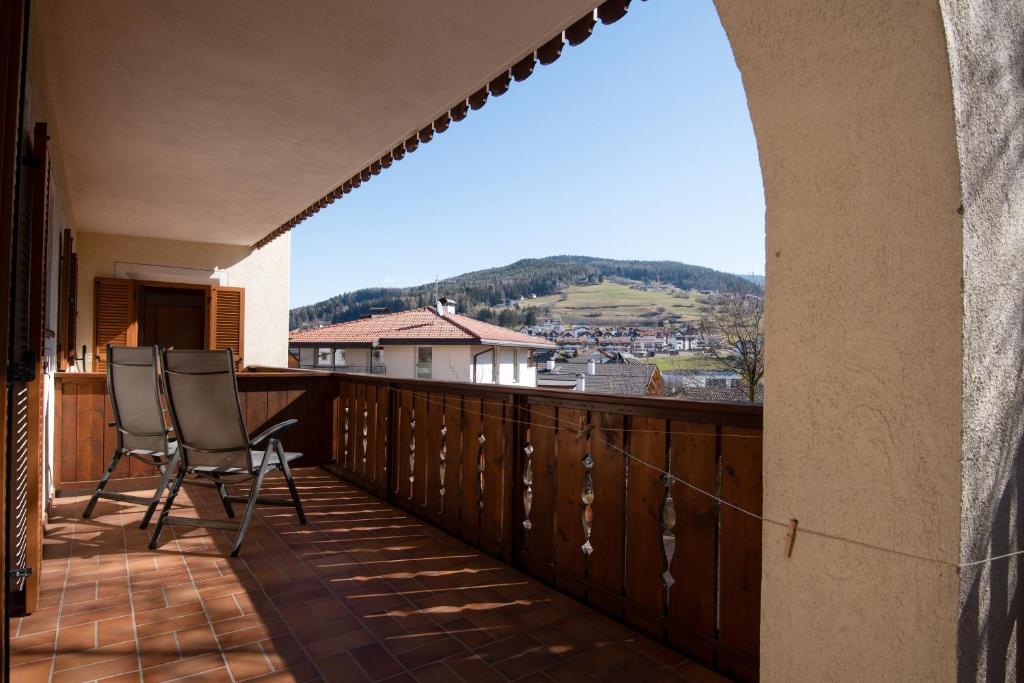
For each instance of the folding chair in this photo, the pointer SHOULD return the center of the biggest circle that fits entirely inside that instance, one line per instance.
(134, 388)
(202, 394)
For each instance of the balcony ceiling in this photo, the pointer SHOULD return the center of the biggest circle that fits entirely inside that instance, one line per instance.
(218, 121)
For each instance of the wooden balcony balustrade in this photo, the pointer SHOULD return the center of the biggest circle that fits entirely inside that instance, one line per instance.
(569, 488)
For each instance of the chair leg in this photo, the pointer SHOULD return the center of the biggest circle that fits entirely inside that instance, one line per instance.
(291, 482)
(102, 484)
(222, 491)
(171, 495)
(250, 505)
(168, 470)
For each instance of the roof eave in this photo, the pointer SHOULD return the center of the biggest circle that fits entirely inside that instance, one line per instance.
(522, 344)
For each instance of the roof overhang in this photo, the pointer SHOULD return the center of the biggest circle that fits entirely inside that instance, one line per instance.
(230, 121)
(524, 345)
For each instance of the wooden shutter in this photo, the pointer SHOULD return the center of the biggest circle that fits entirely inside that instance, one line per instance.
(226, 320)
(25, 406)
(65, 303)
(115, 320)
(12, 30)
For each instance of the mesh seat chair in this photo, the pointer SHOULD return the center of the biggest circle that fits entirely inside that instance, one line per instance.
(133, 385)
(202, 394)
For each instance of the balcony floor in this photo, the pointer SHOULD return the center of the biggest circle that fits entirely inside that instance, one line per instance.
(363, 592)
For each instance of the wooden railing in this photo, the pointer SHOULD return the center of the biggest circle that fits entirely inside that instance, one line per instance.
(568, 487)
(85, 440)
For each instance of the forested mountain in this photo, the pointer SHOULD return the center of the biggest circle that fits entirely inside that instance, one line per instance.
(480, 289)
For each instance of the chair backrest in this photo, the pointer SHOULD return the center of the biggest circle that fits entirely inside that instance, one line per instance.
(202, 395)
(133, 384)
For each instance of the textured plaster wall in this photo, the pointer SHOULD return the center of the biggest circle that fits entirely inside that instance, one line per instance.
(264, 273)
(986, 46)
(852, 107)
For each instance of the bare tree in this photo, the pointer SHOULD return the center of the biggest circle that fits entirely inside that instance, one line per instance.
(732, 325)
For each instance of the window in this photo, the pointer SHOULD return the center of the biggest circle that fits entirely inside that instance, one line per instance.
(377, 357)
(515, 365)
(424, 362)
(323, 357)
(339, 358)
(307, 357)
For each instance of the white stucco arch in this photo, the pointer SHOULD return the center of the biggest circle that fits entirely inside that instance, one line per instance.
(891, 147)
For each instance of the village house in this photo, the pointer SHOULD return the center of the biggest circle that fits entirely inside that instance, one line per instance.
(613, 376)
(424, 343)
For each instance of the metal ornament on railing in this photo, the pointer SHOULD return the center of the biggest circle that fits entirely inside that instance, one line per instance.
(587, 496)
(366, 430)
(668, 538)
(443, 460)
(386, 452)
(480, 465)
(528, 483)
(412, 452)
(345, 433)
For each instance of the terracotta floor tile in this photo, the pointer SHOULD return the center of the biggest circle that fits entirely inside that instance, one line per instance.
(220, 675)
(433, 673)
(170, 625)
(76, 638)
(431, 652)
(31, 673)
(376, 661)
(342, 668)
(219, 609)
(32, 648)
(70, 659)
(471, 667)
(158, 650)
(344, 642)
(203, 664)
(193, 642)
(247, 662)
(362, 592)
(91, 672)
(38, 621)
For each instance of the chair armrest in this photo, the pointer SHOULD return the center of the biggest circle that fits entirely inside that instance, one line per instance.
(262, 436)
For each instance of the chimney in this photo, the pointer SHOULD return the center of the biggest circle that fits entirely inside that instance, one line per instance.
(581, 383)
(445, 306)
(551, 364)
(591, 367)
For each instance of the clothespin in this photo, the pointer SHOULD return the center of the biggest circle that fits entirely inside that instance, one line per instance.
(791, 537)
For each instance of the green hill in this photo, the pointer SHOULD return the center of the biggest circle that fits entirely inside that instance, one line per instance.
(618, 303)
(477, 292)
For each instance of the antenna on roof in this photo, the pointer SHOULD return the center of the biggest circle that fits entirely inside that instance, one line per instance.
(435, 288)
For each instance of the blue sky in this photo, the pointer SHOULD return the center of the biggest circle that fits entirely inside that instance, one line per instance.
(636, 144)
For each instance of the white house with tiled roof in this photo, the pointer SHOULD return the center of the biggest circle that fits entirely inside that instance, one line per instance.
(425, 343)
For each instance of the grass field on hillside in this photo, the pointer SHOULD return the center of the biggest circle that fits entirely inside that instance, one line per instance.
(697, 361)
(614, 302)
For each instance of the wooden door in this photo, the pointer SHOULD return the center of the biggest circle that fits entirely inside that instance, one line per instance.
(173, 318)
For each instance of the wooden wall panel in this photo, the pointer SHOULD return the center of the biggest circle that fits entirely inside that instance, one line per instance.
(86, 441)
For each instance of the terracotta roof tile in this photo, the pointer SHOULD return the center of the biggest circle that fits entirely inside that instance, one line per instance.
(417, 325)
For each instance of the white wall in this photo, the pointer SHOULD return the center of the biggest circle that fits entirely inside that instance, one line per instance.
(454, 363)
(264, 273)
